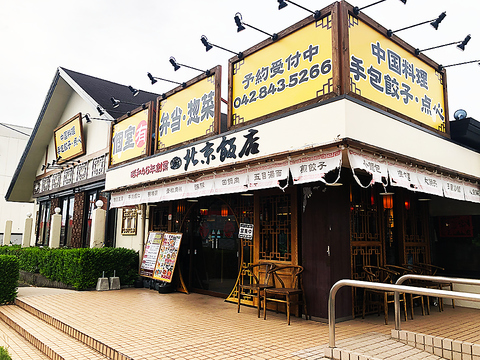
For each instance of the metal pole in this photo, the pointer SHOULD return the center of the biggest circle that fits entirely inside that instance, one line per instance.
(388, 287)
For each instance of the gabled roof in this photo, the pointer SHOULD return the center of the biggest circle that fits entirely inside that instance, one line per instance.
(93, 90)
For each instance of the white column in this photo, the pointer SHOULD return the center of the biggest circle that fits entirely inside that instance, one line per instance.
(97, 236)
(27, 232)
(7, 235)
(55, 229)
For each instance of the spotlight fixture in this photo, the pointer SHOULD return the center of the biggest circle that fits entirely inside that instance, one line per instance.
(434, 23)
(100, 110)
(154, 79)
(133, 90)
(283, 4)
(241, 26)
(116, 103)
(177, 66)
(356, 9)
(441, 67)
(209, 46)
(460, 44)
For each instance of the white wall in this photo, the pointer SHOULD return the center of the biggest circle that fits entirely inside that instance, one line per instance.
(12, 145)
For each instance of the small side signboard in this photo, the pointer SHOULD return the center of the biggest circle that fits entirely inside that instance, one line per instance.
(167, 257)
(245, 231)
(151, 253)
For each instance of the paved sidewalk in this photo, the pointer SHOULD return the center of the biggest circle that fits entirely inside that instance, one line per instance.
(144, 324)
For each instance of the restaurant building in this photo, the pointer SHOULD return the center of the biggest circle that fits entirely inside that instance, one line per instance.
(337, 148)
(66, 155)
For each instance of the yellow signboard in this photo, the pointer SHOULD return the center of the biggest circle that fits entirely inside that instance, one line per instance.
(130, 138)
(188, 114)
(387, 74)
(292, 70)
(69, 139)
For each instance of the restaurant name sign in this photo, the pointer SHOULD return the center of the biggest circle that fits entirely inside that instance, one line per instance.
(69, 139)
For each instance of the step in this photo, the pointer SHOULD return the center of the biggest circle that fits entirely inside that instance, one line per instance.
(50, 341)
(18, 348)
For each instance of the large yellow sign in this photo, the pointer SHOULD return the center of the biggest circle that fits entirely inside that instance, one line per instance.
(383, 72)
(187, 114)
(69, 139)
(290, 71)
(129, 138)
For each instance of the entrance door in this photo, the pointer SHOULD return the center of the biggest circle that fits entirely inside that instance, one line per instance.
(210, 235)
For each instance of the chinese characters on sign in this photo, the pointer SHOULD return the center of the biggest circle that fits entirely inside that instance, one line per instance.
(383, 72)
(167, 257)
(151, 253)
(129, 138)
(188, 114)
(290, 71)
(69, 139)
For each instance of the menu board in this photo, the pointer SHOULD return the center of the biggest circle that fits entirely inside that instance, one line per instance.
(167, 257)
(151, 253)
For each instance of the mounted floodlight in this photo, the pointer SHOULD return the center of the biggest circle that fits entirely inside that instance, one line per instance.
(241, 26)
(133, 90)
(154, 79)
(356, 9)
(89, 119)
(460, 114)
(177, 66)
(209, 46)
(461, 45)
(465, 41)
(282, 4)
(438, 20)
(100, 110)
(441, 67)
(434, 23)
(116, 103)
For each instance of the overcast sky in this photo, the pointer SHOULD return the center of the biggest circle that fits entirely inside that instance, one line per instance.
(121, 40)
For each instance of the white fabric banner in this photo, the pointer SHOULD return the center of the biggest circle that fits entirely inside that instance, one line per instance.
(453, 188)
(472, 192)
(311, 168)
(152, 194)
(402, 175)
(117, 200)
(174, 190)
(374, 166)
(203, 186)
(133, 197)
(429, 183)
(267, 175)
(231, 182)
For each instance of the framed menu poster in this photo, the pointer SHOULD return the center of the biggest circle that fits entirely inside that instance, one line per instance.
(151, 253)
(167, 257)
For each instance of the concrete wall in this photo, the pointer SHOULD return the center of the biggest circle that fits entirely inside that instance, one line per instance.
(13, 140)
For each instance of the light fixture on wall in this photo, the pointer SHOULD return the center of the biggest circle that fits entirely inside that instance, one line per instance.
(208, 46)
(356, 9)
(177, 66)
(89, 118)
(387, 200)
(153, 80)
(133, 90)
(241, 26)
(434, 23)
(283, 4)
(460, 45)
(441, 67)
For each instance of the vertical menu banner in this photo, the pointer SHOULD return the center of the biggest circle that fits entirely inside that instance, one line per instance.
(167, 257)
(151, 253)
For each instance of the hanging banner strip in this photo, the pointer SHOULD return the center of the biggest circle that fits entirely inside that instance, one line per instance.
(472, 192)
(374, 166)
(174, 190)
(402, 175)
(203, 186)
(453, 188)
(152, 194)
(267, 175)
(231, 182)
(429, 183)
(117, 200)
(311, 168)
(133, 197)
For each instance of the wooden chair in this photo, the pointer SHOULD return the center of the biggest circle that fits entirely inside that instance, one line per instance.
(432, 270)
(257, 286)
(381, 275)
(403, 271)
(286, 295)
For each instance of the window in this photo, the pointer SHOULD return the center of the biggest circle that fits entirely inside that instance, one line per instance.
(43, 224)
(66, 204)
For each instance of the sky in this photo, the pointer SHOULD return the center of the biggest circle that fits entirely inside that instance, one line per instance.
(122, 40)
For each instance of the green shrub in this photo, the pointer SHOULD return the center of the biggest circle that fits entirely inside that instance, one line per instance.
(4, 354)
(79, 268)
(9, 274)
